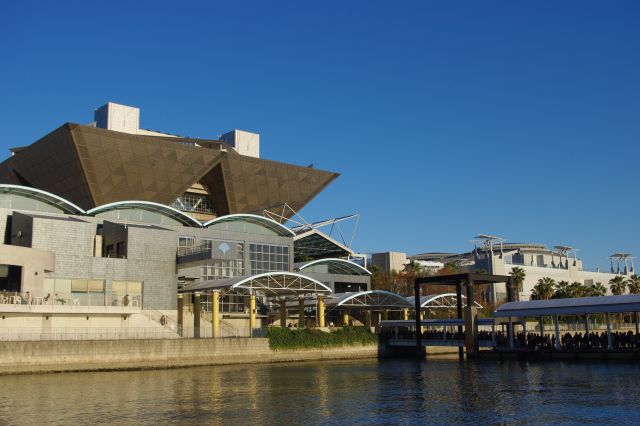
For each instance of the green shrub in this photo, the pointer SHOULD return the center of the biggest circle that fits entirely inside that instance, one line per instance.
(286, 338)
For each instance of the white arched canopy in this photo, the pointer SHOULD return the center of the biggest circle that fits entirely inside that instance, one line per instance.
(333, 266)
(161, 209)
(39, 196)
(369, 300)
(441, 301)
(246, 218)
(270, 283)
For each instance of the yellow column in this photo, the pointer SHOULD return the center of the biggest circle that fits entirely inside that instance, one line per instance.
(345, 317)
(320, 312)
(252, 311)
(405, 314)
(300, 312)
(215, 313)
(283, 313)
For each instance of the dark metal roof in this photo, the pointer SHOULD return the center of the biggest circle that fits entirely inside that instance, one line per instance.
(91, 166)
(334, 266)
(573, 306)
(316, 245)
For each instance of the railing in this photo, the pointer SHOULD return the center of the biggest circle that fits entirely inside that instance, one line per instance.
(134, 333)
(193, 254)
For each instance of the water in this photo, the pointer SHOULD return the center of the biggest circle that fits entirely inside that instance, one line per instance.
(345, 392)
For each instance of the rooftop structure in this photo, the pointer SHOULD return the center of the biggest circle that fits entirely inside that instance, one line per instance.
(113, 160)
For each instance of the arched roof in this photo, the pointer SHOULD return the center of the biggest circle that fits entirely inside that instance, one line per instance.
(369, 300)
(162, 209)
(270, 224)
(274, 283)
(43, 196)
(343, 266)
(438, 301)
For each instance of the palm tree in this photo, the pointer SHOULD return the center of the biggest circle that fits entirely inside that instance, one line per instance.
(577, 289)
(544, 289)
(618, 285)
(518, 275)
(634, 284)
(562, 290)
(595, 290)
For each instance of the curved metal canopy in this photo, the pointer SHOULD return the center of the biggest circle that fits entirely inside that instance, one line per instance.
(42, 196)
(335, 266)
(255, 219)
(369, 300)
(274, 283)
(150, 206)
(441, 301)
(572, 306)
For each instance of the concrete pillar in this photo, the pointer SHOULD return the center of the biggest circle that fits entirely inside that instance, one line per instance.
(180, 313)
(367, 319)
(510, 331)
(471, 333)
(215, 313)
(609, 340)
(345, 317)
(493, 335)
(405, 314)
(459, 313)
(301, 312)
(196, 315)
(320, 312)
(252, 313)
(556, 323)
(283, 313)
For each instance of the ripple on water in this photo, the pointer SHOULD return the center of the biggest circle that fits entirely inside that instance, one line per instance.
(341, 392)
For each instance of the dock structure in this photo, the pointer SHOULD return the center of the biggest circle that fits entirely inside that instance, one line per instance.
(470, 281)
(583, 307)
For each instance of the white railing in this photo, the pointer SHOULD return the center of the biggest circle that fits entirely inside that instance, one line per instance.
(133, 333)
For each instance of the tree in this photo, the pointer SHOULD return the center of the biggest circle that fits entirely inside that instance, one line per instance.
(634, 284)
(618, 285)
(595, 290)
(518, 275)
(562, 290)
(577, 289)
(448, 268)
(543, 290)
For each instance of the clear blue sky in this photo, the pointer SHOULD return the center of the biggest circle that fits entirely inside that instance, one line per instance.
(447, 119)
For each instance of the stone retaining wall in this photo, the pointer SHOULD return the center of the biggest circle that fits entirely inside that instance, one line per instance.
(56, 356)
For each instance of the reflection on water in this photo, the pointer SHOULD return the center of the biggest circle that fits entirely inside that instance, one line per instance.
(349, 392)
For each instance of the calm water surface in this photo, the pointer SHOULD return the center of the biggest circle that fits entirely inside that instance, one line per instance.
(352, 392)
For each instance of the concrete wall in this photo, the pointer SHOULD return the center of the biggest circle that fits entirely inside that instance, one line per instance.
(53, 356)
(534, 273)
(34, 264)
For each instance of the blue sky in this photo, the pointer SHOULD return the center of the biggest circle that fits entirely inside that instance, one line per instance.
(445, 119)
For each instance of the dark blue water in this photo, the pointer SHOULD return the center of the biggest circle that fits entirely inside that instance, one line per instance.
(354, 392)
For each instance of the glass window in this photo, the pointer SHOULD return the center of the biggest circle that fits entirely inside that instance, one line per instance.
(79, 286)
(186, 245)
(268, 258)
(96, 286)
